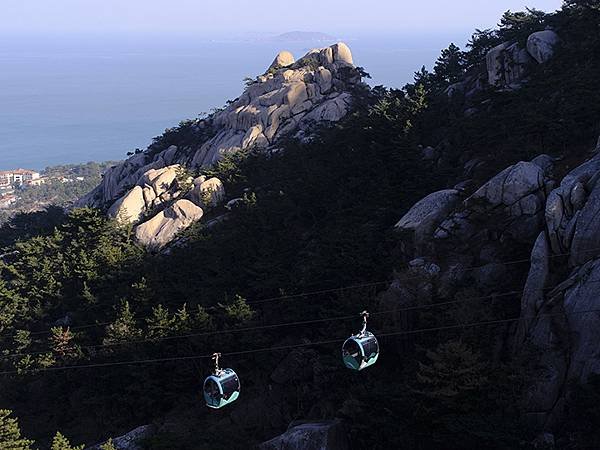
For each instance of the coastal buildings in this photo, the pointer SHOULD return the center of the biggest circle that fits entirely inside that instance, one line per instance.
(9, 178)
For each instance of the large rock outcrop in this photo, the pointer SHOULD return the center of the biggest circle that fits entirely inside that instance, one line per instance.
(507, 63)
(540, 45)
(289, 98)
(427, 214)
(511, 203)
(164, 226)
(329, 435)
(558, 310)
(524, 206)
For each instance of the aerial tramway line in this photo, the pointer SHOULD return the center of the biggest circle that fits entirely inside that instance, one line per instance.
(359, 351)
(223, 386)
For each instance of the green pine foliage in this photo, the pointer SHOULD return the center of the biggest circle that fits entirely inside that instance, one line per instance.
(10, 433)
(452, 372)
(62, 443)
(202, 319)
(238, 310)
(108, 445)
(450, 66)
(517, 26)
(160, 323)
(124, 328)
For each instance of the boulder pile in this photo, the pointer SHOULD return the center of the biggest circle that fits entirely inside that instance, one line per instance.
(149, 189)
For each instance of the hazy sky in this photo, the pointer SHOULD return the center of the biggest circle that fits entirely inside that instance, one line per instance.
(222, 16)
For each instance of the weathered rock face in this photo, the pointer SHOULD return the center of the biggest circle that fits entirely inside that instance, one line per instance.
(155, 187)
(560, 322)
(540, 45)
(129, 208)
(207, 192)
(289, 98)
(156, 210)
(164, 226)
(563, 209)
(328, 435)
(427, 214)
(514, 198)
(507, 63)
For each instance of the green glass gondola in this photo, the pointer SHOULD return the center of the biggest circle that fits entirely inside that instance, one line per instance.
(222, 387)
(361, 350)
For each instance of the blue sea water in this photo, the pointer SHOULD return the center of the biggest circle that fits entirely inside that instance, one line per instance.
(71, 99)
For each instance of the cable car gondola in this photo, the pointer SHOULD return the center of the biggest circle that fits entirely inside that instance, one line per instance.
(222, 387)
(360, 350)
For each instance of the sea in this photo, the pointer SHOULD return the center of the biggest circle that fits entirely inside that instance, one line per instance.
(78, 98)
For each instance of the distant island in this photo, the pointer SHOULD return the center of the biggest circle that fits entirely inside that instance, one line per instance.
(303, 36)
(314, 37)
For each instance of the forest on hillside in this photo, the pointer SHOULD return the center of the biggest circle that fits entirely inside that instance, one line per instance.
(311, 241)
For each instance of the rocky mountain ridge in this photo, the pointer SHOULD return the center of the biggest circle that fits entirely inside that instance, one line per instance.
(287, 100)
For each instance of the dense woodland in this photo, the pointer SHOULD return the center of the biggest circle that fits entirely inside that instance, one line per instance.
(76, 290)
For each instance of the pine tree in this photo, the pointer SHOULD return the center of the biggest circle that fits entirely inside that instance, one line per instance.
(62, 342)
(160, 324)
(10, 304)
(450, 66)
(481, 42)
(239, 310)
(108, 445)
(182, 320)
(519, 25)
(10, 433)
(124, 328)
(142, 294)
(22, 340)
(422, 77)
(203, 320)
(62, 443)
(87, 295)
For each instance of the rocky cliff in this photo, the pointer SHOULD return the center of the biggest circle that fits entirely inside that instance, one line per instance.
(156, 190)
(525, 205)
(532, 228)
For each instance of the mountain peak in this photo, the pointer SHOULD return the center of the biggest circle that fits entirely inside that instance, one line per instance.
(287, 100)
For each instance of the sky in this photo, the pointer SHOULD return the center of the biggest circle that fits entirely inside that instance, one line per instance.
(219, 17)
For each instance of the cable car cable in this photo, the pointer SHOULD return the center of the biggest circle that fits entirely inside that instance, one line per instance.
(287, 324)
(273, 326)
(324, 291)
(307, 344)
